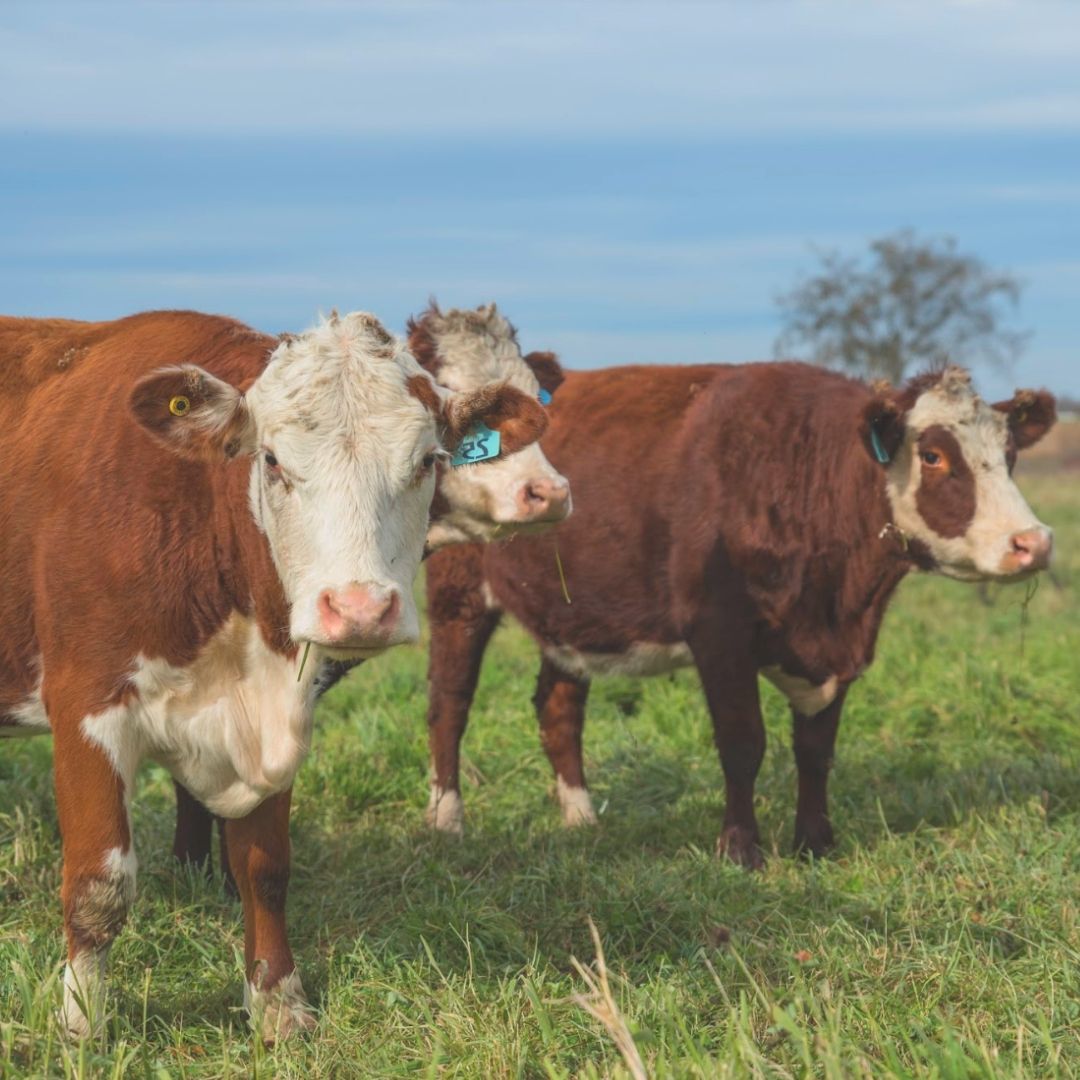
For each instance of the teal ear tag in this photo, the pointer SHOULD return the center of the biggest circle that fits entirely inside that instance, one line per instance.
(879, 451)
(543, 397)
(480, 444)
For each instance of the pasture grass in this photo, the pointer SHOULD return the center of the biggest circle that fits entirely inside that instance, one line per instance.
(941, 939)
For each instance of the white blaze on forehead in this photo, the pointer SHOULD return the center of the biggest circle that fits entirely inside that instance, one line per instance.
(334, 407)
(477, 348)
(982, 434)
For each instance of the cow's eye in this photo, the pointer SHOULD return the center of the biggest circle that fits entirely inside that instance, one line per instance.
(428, 462)
(932, 458)
(271, 462)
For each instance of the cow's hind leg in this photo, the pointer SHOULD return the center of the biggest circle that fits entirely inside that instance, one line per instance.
(461, 627)
(560, 709)
(813, 739)
(731, 689)
(93, 772)
(192, 837)
(194, 828)
(258, 847)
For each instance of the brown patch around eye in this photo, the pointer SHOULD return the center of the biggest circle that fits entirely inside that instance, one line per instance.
(946, 495)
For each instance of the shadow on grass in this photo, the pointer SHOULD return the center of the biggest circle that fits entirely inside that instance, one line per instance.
(516, 895)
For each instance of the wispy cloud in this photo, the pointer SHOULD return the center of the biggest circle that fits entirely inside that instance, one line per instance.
(550, 69)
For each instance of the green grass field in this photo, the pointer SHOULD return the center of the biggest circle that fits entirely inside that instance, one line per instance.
(942, 939)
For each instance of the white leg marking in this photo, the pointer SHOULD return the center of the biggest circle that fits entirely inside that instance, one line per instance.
(446, 811)
(576, 803)
(82, 1014)
(278, 1012)
(99, 912)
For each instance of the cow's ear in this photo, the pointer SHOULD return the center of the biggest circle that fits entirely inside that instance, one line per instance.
(193, 413)
(517, 417)
(882, 429)
(1030, 415)
(547, 369)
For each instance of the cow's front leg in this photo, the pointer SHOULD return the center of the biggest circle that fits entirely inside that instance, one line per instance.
(258, 847)
(560, 709)
(731, 688)
(813, 739)
(93, 769)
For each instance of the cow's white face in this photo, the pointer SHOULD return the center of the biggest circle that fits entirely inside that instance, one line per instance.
(344, 429)
(343, 480)
(519, 490)
(949, 475)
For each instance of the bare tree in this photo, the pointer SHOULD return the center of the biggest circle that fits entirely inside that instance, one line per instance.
(909, 303)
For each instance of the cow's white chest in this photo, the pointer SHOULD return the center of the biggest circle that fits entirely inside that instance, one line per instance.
(804, 696)
(233, 727)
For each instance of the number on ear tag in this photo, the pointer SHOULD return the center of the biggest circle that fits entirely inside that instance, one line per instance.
(480, 444)
(543, 397)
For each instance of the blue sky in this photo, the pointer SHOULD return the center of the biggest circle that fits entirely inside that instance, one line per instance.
(631, 181)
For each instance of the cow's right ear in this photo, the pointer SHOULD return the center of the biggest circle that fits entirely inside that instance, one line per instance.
(194, 414)
(882, 429)
(547, 369)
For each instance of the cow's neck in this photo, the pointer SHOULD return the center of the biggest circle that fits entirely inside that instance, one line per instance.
(849, 593)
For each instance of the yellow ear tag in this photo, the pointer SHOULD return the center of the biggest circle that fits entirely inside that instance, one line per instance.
(179, 405)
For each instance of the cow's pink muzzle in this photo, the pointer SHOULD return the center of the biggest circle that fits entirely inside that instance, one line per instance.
(542, 501)
(360, 616)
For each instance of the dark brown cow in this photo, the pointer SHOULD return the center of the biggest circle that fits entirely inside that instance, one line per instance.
(746, 519)
(185, 503)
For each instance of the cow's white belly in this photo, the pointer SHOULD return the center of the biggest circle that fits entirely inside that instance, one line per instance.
(642, 658)
(233, 727)
(652, 658)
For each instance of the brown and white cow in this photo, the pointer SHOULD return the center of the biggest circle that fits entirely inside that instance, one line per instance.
(464, 351)
(746, 519)
(189, 507)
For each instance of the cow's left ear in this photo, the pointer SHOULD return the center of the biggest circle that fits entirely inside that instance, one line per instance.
(193, 413)
(1030, 414)
(547, 369)
(518, 418)
(882, 428)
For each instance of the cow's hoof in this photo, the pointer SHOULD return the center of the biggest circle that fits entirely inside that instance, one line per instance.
(75, 1025)
(741, 846)
(82, 1014)
(281, 1011)
(576, 805)
(813, 837)
(446, 812)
